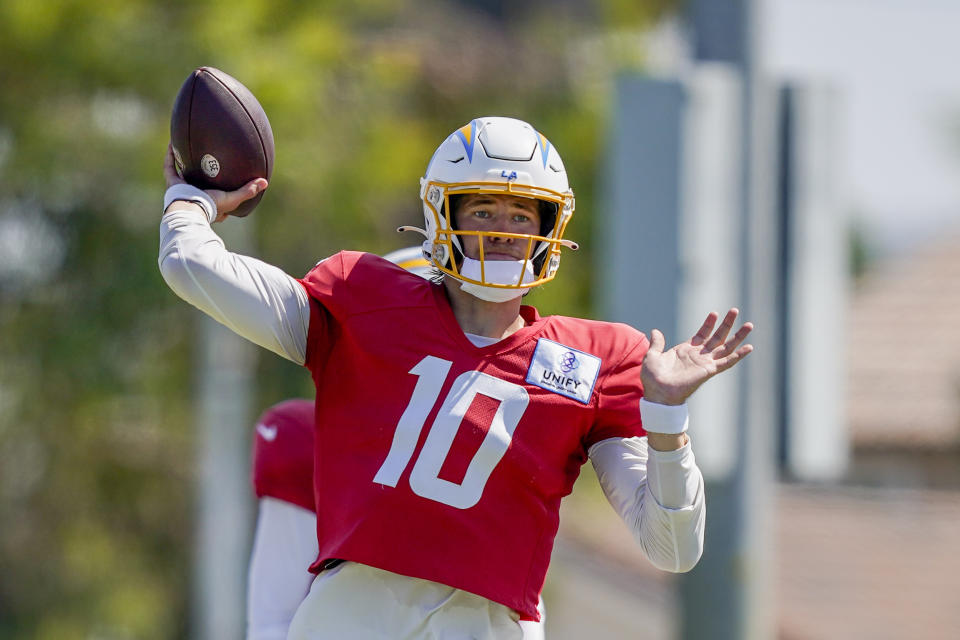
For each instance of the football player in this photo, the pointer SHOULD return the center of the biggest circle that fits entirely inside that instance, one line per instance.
(453, 418)
(285, 539)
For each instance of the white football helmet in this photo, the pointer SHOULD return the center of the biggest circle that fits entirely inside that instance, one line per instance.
(497, 156)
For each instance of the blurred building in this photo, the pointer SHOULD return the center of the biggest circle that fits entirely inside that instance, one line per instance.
(904, 378)
(867, 563)
(870, 556)
(875, 556)
(851, 563)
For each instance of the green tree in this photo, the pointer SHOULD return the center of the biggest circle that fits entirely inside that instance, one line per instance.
(96, 440)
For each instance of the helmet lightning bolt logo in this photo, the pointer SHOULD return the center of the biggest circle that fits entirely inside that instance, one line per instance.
(544, 148)
(468, 136)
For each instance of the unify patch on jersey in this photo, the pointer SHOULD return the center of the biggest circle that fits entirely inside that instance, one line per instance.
(564, 370)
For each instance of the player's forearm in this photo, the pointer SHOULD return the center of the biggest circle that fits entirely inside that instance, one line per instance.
(659, 495)
(674, 510)
(666, 441)
(256, 300)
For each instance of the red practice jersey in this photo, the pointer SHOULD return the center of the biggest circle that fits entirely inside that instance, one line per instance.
(283, 453)
(446, 461)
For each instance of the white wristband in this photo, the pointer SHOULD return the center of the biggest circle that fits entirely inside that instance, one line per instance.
(664, 418)
(184, 191)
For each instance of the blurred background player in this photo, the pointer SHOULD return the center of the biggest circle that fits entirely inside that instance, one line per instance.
(285, 539)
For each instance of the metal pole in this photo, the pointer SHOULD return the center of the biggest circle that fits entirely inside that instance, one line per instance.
(224, 418)
(729, 595)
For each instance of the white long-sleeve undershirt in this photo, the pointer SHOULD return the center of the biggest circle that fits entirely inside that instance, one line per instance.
(284, 546)
(658, 494)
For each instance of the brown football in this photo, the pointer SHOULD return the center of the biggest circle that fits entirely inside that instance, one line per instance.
(220, 134)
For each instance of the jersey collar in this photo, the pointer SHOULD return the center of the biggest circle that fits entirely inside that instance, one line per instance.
(534, 325)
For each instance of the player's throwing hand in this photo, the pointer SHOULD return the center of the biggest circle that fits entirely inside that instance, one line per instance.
(226, 201)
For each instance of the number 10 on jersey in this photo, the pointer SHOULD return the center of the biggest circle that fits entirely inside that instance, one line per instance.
(424, 477)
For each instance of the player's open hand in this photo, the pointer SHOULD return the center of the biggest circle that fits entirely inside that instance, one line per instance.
(226, 201)
(670, 377)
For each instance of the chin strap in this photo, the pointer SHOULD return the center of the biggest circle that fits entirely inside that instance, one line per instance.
(491, 294)
(504, 272)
